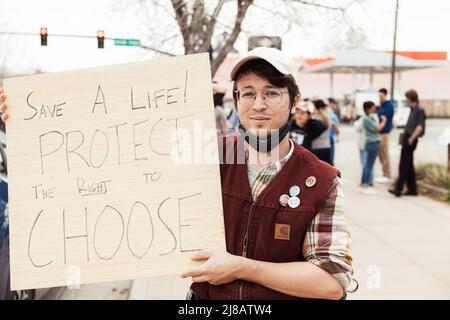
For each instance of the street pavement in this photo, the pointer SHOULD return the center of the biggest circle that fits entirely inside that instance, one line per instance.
(400, 246)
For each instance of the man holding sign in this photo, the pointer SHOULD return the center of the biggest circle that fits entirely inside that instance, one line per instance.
(286, 233)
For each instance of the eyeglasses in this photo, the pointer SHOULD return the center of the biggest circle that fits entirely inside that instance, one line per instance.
(271, 97)
(300, 111)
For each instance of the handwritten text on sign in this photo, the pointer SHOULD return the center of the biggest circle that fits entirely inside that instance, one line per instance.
(113, 172)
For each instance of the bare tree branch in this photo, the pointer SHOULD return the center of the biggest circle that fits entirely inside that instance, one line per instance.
(320, 5)
(243, 6)
(181, 14)
(198, 22)
(212, 23)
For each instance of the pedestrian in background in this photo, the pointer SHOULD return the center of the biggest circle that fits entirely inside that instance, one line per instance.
(415, 128)
(303, 125)
(348, 114)
(232, 119)
(372, 129)
(386, 110)
(321, 146)
(221, 119)
(333, 105)
(334, 129)
(361, 140)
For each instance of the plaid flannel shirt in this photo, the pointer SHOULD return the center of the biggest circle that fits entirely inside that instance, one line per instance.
(327, 240)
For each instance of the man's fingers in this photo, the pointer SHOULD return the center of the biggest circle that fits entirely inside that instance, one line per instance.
(193, 273)
(200, 279)
(3, 107)
(4, 117)
(202, 255)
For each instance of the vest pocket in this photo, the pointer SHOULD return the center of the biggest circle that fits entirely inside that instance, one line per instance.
(281, 236)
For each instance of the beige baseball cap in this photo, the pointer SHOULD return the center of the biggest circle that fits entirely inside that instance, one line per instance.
(275, 57)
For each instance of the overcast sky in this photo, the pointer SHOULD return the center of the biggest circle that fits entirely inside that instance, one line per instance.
(423, 25)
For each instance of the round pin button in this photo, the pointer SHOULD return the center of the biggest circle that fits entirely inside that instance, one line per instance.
(294, 202)
(284, 199)
(294, 191)
(311, 181)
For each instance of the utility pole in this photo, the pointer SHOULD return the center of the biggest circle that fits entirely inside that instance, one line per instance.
(394, 53)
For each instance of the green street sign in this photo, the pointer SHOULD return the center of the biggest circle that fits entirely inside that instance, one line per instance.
(127, 42)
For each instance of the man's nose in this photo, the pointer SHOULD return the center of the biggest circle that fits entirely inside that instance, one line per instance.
(259, 103)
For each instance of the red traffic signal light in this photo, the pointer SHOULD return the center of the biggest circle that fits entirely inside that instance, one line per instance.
(44, 34)
(100, 39)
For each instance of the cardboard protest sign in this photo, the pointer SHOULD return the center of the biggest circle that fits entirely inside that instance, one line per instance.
(113, 172)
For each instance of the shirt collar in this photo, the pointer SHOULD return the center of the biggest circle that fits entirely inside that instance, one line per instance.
(277, 165)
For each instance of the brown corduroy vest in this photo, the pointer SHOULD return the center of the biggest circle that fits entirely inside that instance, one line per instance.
(264, 229)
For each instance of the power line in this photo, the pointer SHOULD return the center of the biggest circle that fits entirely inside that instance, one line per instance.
(53, 35)
(83, 36)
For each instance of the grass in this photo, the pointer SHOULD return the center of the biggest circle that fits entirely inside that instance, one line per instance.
(436, 175)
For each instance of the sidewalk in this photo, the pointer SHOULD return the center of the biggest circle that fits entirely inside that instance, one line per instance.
(400, 245)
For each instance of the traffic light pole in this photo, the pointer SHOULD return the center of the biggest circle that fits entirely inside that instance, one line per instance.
(84, 36)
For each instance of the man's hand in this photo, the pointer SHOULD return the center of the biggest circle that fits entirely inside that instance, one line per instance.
(3, 104)
(417, 131)
(219, 267)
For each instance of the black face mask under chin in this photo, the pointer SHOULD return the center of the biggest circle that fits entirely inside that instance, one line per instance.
(267, 143)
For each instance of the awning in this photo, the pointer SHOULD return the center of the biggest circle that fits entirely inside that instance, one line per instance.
(366, 61)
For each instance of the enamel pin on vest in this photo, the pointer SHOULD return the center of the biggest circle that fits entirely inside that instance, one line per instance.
(294, 191)
(292, 200)
(311, 181)
(284, 199)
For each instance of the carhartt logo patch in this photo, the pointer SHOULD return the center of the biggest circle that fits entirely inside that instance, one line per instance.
(282, 231)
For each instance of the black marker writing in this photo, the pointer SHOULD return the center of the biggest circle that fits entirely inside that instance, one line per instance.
(128, 230)
(184, 225)
(29, 243)
(113, 210)
(97, 101)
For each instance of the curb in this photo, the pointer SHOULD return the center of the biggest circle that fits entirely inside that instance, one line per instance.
(433, 191)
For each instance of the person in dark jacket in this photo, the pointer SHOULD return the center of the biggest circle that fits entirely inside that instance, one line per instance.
(303, 124)
(321, 146)
(414, 129)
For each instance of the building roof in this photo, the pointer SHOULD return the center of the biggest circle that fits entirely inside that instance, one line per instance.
(366, 61)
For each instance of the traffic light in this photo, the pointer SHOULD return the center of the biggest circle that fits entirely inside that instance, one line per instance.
(100, 39)
(43, 36)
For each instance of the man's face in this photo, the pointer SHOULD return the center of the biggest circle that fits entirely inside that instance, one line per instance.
(410, 103)
(301, 117)
(258, 117)
(383, 97)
